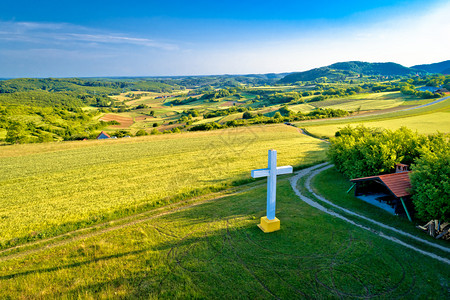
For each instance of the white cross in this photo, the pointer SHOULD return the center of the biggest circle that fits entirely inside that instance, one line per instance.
(271, 173)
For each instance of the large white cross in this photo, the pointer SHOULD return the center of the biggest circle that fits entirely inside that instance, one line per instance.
(271, 173)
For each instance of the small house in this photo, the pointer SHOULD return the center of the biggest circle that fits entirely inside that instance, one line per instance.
(390, 192)
(442, 91)
(103, 135)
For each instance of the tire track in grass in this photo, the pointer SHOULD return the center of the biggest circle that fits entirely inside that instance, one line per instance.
(112, 225)
(312, 171)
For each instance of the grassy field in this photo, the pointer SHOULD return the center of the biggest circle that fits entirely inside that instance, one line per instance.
(425, 124)
(165, 113)
(52, 188)
(425, 120)
(367, 102)
(215, 250)
(379, 116)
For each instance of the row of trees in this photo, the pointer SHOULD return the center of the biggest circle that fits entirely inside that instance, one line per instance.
(359, 152)
(408, 89)
(29, 124)
(288, 116)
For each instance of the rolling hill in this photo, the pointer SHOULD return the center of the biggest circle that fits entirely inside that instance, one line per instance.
(441, 67)
(351, 68)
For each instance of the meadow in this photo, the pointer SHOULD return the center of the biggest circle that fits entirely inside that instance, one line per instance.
(167, 116)
(48, 189)
(424, 124)
(368, 102)
(213, 249)
(174, 215)
(426, 120)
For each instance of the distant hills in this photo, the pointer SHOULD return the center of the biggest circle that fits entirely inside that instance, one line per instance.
(341, 70)
(441, 67)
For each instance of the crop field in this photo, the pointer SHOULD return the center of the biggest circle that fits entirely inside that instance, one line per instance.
(164, 112)
(52, 188)
(442, 106)
(304, 107)
(213, 249)
(125, 122)
(365, 102)
(425, 124)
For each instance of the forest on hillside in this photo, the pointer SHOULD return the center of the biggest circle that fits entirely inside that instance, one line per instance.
(52, 109)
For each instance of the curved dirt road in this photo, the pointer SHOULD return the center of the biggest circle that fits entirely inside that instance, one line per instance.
(312, 171)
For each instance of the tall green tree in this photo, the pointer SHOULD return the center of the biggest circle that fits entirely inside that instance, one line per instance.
(16, 133)
(431, 181)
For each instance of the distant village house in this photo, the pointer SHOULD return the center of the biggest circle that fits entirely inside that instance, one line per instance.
(103, 135)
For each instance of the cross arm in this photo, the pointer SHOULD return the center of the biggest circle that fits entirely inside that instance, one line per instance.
(260, 173)
(284, 170)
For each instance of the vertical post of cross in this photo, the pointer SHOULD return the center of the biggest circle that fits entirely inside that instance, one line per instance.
(272, 185)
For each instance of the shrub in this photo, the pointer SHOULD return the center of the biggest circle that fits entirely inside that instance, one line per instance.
(362, 151)
(431, 181)
(247, 115)
(141, 132)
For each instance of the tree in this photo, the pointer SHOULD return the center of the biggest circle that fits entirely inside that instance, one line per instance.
(141, 132)
(247, 115)
(430, 181)
(16, 133)
(362, 151)
(121, 133)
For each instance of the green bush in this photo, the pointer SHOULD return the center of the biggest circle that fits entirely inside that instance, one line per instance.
(141, 132)
(431, 181)
(362, 151)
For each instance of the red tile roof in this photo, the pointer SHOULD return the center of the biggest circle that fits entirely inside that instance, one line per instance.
(103, 134)
(398, 183)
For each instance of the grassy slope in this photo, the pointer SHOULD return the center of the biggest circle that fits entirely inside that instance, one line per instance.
(215, 250)
(165, 113)
(425, 124)
(425, 120)
(373, 101)
(52, 188)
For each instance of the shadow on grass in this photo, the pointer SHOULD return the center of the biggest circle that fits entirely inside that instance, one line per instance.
(73, 265)
(215, 250)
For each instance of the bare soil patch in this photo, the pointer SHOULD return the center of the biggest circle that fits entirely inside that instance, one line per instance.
(229, 103)
(125, 122)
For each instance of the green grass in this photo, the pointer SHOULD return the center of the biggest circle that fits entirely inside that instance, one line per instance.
(215, 250)
(52, 188)
(438, 107)
(373, 101)
(425, 124)
(425, 120)
(333, 186)
(304, 107)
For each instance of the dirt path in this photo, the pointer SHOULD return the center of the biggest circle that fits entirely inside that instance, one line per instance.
(309, 173)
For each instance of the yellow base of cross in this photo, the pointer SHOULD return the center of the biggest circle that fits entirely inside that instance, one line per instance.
(269, 225)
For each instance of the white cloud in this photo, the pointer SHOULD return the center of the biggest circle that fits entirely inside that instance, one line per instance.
(55, 33)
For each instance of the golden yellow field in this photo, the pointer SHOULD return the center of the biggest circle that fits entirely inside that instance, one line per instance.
(49, 187)
(425, 124)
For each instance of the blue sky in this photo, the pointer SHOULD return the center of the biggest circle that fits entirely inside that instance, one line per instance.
(149, 38)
